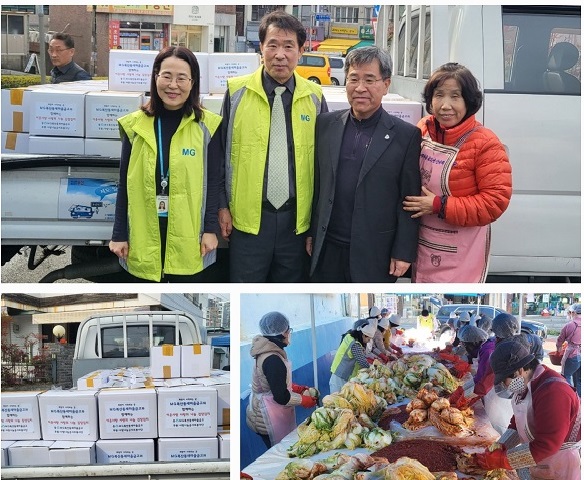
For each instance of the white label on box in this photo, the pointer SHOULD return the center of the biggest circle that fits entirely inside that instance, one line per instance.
(68, 420)
(87, 199)
(56, 117)
(187, 412)
(132, 72)
(190, 454)
(122, 456)
(104, 117)
(18, 418)
(128, 417)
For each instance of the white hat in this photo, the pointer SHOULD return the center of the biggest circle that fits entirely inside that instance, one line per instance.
(374, 311)
(369, 328)
(384, 322)
(395, 319)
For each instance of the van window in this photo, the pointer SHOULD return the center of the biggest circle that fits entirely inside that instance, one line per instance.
(112, 340)
(310, 61)
(542, 48)
(336, 62)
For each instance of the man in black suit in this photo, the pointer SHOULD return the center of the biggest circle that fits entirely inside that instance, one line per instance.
(367, 161)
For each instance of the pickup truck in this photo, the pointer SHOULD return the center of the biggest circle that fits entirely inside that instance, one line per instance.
(118, 340)
(531, 102)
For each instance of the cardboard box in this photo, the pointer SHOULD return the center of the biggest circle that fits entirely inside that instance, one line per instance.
(20, 416)
(102, 110)
(14, 142)
(195, 360)
(165, 361)
(56, 145)
(224, 437)
(72, 453)
(187, 449)
(29, 453)
(212, 102)
(188, 411)
(123, 451)
(223, 404)
(57, 113)
(15, 109)
(69, 415)
(103, 147)
(130, 70)
(94, 380)
(127, 413)
(227, 65)
(4, 444)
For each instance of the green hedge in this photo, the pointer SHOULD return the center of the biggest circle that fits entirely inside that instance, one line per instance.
(14, 81)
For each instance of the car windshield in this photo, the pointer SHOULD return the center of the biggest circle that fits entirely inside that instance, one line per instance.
(446, 310)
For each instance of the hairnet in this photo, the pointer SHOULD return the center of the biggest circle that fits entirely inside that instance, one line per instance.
(383, 322)
(577, 308)
(374, 311)
(384, 311)
(274, 323)
(505, 325)
(533, 344)
(395, 319)
(369, 328)
(463, 317)
(472, 334)
(485, 322)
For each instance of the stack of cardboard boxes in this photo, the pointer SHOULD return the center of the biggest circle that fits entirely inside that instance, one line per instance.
(161, 413)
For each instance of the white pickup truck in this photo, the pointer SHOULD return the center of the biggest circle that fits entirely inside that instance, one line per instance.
(528, 62)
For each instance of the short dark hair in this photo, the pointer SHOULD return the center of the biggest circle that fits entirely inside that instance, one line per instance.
(365, 55)
(425, 312)
(65, 38)
(193, 104)
(469, 86)
(283, 21)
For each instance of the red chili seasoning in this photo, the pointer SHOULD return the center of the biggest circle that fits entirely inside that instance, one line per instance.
(436, 456)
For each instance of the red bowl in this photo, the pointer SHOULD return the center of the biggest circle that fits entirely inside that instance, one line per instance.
(556, 357)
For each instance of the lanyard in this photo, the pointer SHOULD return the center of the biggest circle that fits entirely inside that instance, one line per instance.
(164, 178)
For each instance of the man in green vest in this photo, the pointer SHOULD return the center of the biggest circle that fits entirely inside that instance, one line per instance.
(269, 126)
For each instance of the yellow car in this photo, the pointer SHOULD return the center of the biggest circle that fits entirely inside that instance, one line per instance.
(315, 68)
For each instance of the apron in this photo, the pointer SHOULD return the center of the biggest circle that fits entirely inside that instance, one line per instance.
(280, 420)
(565, 464)
(447, 253)
(499, 410)
(572, 347)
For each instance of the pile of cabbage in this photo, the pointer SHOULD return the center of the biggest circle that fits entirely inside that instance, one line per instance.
(402, 378)
(336, 428)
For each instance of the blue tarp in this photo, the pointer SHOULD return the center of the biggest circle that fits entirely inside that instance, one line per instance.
(222, 341)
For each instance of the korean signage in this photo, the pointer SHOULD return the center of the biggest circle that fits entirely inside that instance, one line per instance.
(345, 30)
(114, 34)
(366, 32)
(134, 9)
(202, 15)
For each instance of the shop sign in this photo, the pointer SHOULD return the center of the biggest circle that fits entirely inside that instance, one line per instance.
(114, 34)
(202, 15)
(134, 9)
(366, 32)
(345, 30)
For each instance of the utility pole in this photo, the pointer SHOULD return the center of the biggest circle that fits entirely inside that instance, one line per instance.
(40, 11)
(93, 62)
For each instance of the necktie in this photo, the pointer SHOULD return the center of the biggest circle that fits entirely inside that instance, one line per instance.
(278, 187)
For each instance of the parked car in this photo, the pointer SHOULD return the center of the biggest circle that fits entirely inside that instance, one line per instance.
(315, 68)
(337, 70)
(527, 326)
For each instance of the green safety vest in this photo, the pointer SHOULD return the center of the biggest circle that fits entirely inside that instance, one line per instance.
(344, 364)
(247, 148)
(187, 195)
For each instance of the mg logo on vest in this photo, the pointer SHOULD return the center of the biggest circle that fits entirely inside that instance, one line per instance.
(189, 151)
(304, 117)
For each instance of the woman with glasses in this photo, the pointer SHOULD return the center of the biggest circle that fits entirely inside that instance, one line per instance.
(270, 412)
(466, 181)
(171, 154)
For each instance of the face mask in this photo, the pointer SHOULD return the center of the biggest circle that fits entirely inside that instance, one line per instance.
(517, 385)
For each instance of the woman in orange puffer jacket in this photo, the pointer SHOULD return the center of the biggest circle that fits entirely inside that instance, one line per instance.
(466, 181)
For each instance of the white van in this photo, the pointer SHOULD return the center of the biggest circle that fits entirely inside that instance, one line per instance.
(124, 339)
(337, 70)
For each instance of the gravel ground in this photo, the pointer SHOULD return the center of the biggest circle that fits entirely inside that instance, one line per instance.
(16, 270)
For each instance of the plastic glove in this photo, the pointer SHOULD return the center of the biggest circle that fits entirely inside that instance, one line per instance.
(299, 388)
(384, 357)
(399, 351)
(456, 395)
(493, 460)
(369, 360)
(307, 401)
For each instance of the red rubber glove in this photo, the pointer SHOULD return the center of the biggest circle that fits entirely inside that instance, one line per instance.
(399, 351)
(456, 395)
(369, 361)
(384, 357)
(298, 388)
(308, 402)
(493, 460)
(473, 400)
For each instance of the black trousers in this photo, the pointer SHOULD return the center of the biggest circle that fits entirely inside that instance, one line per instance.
(275, 254)
(333, 264)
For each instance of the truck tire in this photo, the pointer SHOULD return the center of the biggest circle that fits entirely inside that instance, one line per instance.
(8, 251)
(88, 254)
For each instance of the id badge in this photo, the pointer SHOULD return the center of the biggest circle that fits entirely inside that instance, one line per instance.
(162, 202)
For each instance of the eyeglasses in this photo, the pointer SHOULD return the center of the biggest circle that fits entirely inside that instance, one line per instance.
(368, 82)
(181, 80)
(290, 330)
(58, 51)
